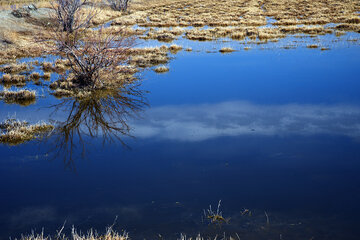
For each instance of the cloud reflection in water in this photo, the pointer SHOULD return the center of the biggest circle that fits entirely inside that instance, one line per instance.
(206, 121)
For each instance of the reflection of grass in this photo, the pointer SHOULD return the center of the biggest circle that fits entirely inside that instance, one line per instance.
(15, 132)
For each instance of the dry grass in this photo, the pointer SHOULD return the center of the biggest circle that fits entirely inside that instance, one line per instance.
(91, 234)
(236, 19)
(15, 68)
(226, 50)
(110, 234)
(22, 97)
(35, 76)
(148, 57)
(161, 69)
(47, 67)
(312, 46)
(13, 79)
(14, 132)
(175, 48)
(199, 34)
(46, 76)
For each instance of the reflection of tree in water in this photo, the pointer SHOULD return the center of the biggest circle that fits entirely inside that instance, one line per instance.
(102, 113)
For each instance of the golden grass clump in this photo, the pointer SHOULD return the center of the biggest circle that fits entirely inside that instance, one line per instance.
(148, 57)
(161, 69)
(312, 46)
(14, 132)
(269, 34)
(60, 65)
(161, 36)
(238, 35)
(349, 27)
(59, 93)
(14, 68)
(46, 76)
(15, 79)
(200, 35)
(35, 76)
(226, 50)
(47, 67)
(21, 96)
(175, 48)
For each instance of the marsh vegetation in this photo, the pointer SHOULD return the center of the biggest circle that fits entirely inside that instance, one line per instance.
(77, 74)
(15, 132)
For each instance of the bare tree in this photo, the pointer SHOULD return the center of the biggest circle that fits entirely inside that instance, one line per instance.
(70, 16)
(119, 5)
(96, 59)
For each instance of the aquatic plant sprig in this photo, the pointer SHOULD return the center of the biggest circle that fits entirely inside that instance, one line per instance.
(215, 217)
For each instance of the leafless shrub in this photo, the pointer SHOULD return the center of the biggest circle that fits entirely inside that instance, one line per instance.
(96, 60)
(70, 16)
(119, 5)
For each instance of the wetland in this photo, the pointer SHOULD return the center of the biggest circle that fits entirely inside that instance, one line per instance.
(233, 119)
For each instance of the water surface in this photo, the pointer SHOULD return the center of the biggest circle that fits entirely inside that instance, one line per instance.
(273, 131)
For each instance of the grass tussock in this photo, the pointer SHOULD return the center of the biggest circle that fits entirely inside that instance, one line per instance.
(15, 68)
(13, 79)
(14, 132)
(22, 97)
(148, 57)
(175, 48)
(35, 76)
(312, 46)
(226, 50)
(47, 67)
(46, 76)
(161, 69)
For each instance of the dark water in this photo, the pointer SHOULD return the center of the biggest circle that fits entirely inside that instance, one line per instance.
(272, 131)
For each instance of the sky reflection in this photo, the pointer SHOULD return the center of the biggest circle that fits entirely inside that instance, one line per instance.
(205, 121)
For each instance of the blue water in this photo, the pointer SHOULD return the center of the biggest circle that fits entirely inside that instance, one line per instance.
(273, 131)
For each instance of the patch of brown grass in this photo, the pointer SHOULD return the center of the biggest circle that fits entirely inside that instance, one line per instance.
(14, 132)
(161, 69)
(226, 50)
(22, 97)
